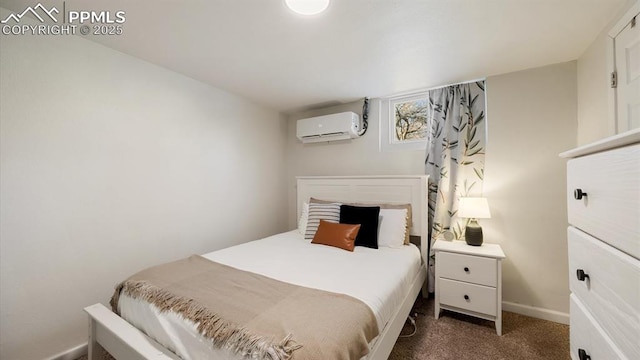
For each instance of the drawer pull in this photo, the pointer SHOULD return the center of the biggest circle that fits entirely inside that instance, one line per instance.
(582, 275)
(582, 355)
(578, 194)
(466, 297)
(466, 269)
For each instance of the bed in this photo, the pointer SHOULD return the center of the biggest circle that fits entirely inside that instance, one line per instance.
(396, 276)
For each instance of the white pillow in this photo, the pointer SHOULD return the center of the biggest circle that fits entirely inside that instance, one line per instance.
(304, 216)
(392, 228)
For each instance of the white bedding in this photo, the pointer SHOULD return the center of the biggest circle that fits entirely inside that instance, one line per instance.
(380, 278)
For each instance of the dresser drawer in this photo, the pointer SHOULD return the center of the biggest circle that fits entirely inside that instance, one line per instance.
(612, 290)
(481, 299)
(587, 335)
(469, 268)
(610, 210)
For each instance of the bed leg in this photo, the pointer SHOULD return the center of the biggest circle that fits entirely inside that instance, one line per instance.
(93, 343)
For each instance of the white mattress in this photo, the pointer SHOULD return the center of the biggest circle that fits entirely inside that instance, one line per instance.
(380, 278)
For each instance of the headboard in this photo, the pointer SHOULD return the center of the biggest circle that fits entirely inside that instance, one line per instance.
(401, 189)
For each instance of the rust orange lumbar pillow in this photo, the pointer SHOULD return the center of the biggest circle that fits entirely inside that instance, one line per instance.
(342, 236)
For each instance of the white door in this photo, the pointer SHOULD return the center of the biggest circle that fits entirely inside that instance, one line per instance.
(627, 57)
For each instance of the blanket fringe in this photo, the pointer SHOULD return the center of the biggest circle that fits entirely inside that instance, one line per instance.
(223, 334)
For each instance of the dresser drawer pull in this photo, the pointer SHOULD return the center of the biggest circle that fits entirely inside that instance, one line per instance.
(578, 194)
(466, 269)
(582, 275)
(582, 355)
(466, 297)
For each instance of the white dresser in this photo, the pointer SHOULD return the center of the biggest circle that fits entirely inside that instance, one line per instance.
(603, 195)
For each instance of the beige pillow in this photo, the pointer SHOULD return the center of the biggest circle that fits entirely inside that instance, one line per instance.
(342, 236)
(407, 233)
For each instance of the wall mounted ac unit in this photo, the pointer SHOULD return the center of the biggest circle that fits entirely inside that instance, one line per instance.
(341, 126)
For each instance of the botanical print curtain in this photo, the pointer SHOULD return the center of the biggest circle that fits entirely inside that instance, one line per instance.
(454, 157)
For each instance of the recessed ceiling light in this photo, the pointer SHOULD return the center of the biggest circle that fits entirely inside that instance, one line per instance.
(307, 7)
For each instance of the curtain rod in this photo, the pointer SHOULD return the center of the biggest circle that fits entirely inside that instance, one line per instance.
(414, 92)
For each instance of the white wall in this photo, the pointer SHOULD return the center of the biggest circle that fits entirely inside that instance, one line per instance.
(531, 118)
(594, 122)
(108, 165)
(351, 157)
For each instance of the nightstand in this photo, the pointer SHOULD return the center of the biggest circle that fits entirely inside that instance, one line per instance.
(469, 280)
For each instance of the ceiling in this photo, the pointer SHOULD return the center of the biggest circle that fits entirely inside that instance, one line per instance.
(261, 50)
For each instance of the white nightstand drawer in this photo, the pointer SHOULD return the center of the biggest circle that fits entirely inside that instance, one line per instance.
(586, 335)
(612, 290)
(469, 268)
(478, 298)
(609, 211)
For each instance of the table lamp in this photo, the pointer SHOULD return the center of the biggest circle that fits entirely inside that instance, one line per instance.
(473, 208)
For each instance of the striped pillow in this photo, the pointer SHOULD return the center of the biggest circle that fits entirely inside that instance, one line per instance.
(317, 212)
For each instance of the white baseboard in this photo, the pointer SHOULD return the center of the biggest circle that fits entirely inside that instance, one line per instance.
(536, 312)
(71, 354)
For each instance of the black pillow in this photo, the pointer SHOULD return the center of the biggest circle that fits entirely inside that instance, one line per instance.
(367, 217)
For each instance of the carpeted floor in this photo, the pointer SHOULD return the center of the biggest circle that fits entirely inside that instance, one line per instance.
(461, 337)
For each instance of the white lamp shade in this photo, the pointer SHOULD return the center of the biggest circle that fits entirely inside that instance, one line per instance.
(474, 207)
(307, 7)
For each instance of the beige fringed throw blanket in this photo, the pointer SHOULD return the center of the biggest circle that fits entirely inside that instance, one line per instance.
(254, 316)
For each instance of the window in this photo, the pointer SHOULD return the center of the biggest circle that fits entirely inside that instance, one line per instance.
(410, 120)
(403, 122)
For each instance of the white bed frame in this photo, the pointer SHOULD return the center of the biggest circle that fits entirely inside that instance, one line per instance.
(125, 342)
